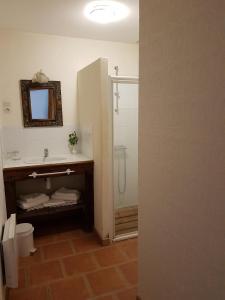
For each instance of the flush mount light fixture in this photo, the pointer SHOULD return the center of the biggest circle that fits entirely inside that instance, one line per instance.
(105, 12)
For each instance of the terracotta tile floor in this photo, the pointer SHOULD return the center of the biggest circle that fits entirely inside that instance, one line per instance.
(74, 266)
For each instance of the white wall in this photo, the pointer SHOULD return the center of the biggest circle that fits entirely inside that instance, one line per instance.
(182, 150)
(23, 54)
(95, 117)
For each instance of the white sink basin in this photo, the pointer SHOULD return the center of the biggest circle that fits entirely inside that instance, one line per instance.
(54, 158)
(33, 160)
(38, 160)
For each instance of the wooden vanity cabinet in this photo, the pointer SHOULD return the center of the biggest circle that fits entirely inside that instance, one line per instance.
(85, 208)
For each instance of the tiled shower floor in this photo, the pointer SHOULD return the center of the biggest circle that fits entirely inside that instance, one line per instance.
(74, 266)
(126, 220)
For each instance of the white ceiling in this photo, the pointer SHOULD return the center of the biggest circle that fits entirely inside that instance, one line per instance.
(65, 17)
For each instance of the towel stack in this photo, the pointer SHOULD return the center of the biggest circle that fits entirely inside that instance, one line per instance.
(31, 201)
(63, 197)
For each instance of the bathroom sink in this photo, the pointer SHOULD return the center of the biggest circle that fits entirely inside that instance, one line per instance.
(54, 158)
(41, 160)
(34, 160)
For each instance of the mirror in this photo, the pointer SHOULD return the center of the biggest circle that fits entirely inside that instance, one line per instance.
(41, 103)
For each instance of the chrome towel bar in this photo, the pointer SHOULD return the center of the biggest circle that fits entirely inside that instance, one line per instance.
(35, 174)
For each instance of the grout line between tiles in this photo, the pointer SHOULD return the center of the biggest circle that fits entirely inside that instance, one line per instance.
(49, 293)
(94, 260)
(72, 246)
(62, 268)
(26, 275)
(41, 254)
(98, 267)
(126, 282)
(88, 286)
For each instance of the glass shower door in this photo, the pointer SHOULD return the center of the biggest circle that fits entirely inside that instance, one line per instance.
(125, 159)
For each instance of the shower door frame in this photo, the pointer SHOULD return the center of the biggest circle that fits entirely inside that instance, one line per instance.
(126, 80)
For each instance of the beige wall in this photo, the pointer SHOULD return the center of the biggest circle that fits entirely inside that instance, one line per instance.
(23, 54)
(94, 124)
(182, 150)
(61, 58)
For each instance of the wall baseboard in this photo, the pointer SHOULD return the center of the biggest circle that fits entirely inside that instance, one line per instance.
(103, 242)
(106, 242)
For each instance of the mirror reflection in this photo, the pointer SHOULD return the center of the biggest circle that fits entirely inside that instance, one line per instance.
(39, 100)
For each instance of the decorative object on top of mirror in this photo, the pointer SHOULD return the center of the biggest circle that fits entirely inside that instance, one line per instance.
(41, 103)
(73, 140)
(40, 77)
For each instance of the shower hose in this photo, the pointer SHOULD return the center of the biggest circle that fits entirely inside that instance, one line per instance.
(122, 167)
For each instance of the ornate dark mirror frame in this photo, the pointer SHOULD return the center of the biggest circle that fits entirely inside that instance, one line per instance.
(55, 103)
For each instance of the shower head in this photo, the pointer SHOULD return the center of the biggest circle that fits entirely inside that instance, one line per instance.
(116, 68)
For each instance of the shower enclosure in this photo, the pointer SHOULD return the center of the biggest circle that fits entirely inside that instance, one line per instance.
(125, 155)
(108, 126)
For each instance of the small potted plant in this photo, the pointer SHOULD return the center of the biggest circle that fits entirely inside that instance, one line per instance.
(73, 140)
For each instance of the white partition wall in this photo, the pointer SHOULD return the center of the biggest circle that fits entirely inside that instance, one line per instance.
(96, 137)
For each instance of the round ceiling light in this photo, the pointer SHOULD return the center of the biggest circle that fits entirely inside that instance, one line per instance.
(104, 12)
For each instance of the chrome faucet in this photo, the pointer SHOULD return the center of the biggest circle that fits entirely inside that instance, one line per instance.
(45, 153)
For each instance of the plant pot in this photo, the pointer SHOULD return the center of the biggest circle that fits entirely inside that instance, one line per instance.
(73, 149)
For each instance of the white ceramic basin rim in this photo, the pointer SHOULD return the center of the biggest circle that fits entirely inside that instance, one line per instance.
(55, 158)
(42, 160)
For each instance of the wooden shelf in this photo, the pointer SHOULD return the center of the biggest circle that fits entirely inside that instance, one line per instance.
(22, 215)
(84, 211)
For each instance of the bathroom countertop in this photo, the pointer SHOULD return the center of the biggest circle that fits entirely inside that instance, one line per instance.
(52, 160)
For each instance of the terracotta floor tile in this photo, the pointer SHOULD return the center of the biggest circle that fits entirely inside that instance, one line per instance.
(86, 243)
(129, 294)
(90, 255)
(79, 263)
(105, 298)
(29, 260)
(105, 281)
(22, 278)
(38, 293)
(69, 289)
(44, 272)
(72, 234)
(129, 247)
(129, 270)
(56, 250)
(45, 239)
(109, 256)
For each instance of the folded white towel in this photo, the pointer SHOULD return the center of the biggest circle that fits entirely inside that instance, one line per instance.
(52, 203)
(26, 205)
(58, 202)
(66, 194)
(28, 198)
(64, 190)
(65, 197)
(36, 207)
